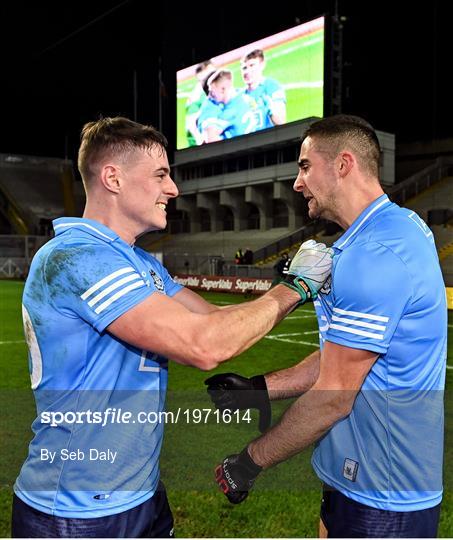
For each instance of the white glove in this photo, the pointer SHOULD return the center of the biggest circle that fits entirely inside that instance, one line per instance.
(309, 269)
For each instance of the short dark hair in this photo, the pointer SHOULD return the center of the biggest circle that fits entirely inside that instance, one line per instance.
(347, 131)
(256, 53)
(203, 65)
(114, 136)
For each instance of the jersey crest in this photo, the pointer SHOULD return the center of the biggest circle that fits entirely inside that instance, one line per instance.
(158, 282)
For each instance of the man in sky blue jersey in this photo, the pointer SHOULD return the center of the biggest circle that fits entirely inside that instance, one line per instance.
(226, 113)
(266, 96)
(372, 396)
(101, 317)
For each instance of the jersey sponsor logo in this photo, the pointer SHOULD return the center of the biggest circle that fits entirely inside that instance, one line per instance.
(158, 283)
(350, 468)
(251, 102)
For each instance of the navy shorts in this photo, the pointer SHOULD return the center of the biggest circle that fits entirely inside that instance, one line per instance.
(345, 518)
(151, 519)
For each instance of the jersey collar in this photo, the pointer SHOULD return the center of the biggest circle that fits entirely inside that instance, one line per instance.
(362, 221)
(89, 226)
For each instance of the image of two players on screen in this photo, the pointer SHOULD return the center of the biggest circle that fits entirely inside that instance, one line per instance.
(223, 111)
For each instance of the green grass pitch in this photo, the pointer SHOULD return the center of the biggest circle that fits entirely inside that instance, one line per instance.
(285, 500)
(298, 65)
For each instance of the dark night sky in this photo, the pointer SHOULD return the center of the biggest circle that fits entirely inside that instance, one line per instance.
(396, 62)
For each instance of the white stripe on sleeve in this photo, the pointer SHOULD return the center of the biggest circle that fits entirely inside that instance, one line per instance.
(105, 280)
(118, 295)
(361, 315)
(116, 285)
(359, 323)
(356, 331)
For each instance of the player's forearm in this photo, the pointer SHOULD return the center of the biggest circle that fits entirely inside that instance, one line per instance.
(306, 421)
(278, 115)
(227, 333)
(294, 381)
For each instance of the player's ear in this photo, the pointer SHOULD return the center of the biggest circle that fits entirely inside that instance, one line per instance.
(345, 162)
(111, 178)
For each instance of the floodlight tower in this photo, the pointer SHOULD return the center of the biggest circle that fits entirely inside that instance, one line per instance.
(333, 102)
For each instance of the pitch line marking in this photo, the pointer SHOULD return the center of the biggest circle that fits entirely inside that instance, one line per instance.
(275, 338)
(286, 340)
(296, 334)
(300, 317)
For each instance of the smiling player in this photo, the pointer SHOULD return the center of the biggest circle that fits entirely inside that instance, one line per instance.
(101, 317)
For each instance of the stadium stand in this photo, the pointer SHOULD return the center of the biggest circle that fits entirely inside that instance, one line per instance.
(429, 192)
(199, 249)
(34, 191)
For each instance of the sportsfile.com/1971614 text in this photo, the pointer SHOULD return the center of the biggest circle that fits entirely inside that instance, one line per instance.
(112, 415)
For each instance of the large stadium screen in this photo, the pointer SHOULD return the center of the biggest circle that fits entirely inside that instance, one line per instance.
(275, 80)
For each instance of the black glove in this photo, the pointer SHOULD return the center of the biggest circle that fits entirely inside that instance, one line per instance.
(234, 392)
(236, 476)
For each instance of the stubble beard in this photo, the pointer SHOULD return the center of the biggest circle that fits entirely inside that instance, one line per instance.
(325, 211)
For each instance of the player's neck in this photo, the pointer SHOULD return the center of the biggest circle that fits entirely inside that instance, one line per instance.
(255, 84)
(354, 203)
(121, 227)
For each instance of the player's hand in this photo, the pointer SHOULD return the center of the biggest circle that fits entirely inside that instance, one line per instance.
(234, 392)
(309, 270)
(236, 476)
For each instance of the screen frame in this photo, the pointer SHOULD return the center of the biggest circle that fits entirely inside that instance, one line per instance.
(322, 20)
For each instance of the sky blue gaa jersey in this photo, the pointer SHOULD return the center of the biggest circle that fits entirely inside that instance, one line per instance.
(232, 119)
(261, 100)
(79, 283)
(387, 295)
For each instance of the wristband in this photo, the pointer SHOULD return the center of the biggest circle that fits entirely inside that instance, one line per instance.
(299, 285)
